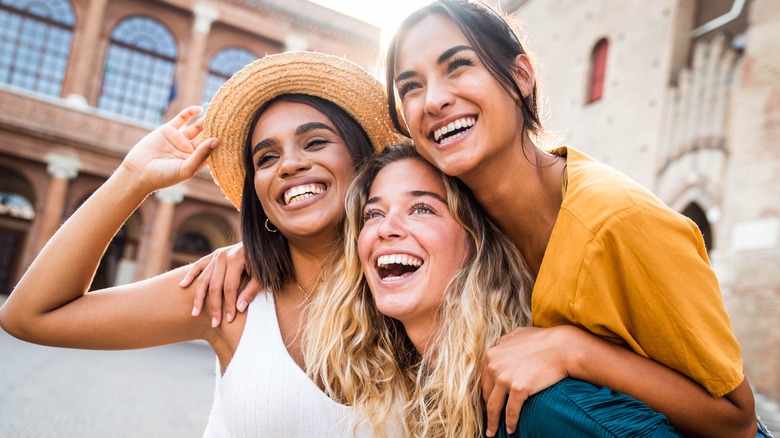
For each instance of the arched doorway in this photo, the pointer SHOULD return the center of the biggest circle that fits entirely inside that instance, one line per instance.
(17, 198)
(698, 216)
(198, 236)
(118, 265)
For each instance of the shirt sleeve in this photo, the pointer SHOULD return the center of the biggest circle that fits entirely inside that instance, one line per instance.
(646, 277)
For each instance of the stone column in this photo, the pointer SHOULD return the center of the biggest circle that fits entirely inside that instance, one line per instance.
(62, 169)
(192, 76)
(294, 42)
(81, 71)
(159, 243)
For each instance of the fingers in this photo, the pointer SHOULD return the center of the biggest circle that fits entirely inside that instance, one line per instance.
(184, 116)
(202, 285)
(232, 281)
(216, 287)
(513, 406)
(195, 161)
(192, 130)
(495, 404)
(248, 294)
(195, 269)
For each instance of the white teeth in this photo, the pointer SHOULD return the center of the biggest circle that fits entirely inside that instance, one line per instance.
(465, 122)
(398, 259)
(299, 193)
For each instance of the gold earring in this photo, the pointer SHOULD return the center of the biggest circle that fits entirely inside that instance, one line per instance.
(269, 228)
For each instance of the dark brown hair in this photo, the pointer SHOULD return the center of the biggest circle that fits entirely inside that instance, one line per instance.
(267, 254)
(494, 41)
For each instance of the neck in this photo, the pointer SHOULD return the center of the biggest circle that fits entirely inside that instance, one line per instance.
(307, 268)
(421, 334)
(521, 192)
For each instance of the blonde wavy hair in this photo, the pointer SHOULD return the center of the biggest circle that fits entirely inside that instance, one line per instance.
(364, 359)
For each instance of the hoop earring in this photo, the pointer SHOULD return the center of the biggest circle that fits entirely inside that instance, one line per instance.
(269, 228)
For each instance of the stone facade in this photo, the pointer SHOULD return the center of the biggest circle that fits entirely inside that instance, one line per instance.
(57, 148)
(691, 110)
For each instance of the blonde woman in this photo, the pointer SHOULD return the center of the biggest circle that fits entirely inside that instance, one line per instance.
(426, 284)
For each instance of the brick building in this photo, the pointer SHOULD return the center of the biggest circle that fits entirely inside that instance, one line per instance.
(683, 96)
(82, 80)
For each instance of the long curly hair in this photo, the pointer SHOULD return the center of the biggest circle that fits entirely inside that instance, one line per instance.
(362, 358)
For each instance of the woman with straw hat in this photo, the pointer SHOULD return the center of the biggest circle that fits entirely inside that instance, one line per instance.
(292, 129)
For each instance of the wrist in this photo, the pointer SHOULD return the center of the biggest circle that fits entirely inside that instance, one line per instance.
(574, 347)
(130, 183)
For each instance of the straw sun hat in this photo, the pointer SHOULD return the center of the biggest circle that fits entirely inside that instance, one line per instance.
(233, 108)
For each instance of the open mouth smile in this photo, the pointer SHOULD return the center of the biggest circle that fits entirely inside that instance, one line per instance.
(453, 130)
(394, 267)
(302, 192)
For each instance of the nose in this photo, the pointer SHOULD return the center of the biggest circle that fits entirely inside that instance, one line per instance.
(293, 161)
(391, 227)
(437, 97)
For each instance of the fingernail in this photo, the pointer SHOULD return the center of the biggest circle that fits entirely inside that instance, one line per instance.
(230, 317)
(194, 310)
(510, 431)
(242, 306)
(181, 283)
(214, 321)
(489, 433)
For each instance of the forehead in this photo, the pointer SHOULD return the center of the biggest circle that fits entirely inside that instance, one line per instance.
(428, 38)
(283, 116)
(405, 176)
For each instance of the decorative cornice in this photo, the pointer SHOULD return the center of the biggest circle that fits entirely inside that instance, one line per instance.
(171, 195)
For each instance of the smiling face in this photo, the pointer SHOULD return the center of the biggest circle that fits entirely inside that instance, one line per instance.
(302, 170)
(460, 117)
(410, 245)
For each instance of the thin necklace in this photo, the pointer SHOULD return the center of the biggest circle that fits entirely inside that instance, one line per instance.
(305, 295)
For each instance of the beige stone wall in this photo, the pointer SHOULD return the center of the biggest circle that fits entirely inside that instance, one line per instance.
(748, 259)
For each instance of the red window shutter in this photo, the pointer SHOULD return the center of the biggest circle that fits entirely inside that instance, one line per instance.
(598, 70)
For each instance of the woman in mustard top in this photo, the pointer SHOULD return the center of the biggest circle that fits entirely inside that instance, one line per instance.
(608, 256)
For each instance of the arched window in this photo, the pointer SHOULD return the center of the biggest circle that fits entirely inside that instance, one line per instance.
(138, 78)
(224, 65)
(35, 41)
(598, 70)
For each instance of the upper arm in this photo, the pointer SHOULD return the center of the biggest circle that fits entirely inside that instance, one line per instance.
(646, 278)
(148, 313)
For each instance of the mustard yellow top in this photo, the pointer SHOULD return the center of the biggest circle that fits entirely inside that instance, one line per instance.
(624, 266)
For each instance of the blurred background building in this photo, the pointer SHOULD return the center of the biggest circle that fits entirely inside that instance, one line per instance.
(82, 80)
(682, 95)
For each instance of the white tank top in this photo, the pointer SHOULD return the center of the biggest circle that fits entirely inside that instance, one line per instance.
(264, 393)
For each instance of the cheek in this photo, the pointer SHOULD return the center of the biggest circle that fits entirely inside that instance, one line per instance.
(260, 188)
(412, 111)
(364, 248)
(460, 249)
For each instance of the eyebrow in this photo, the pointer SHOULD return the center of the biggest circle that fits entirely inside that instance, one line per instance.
(411, 193)
(303, 129)
(449, 53)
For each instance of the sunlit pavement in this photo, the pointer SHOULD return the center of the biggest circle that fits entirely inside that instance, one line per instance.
(53, 392)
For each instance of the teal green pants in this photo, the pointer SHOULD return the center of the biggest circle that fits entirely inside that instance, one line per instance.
(576, 409)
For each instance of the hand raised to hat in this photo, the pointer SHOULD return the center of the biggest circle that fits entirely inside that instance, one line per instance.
(170, 154)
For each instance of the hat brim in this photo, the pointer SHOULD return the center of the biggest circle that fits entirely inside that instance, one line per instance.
(329, 77)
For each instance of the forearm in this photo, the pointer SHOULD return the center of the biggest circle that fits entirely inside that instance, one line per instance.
(63, 270)
(689, 407)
